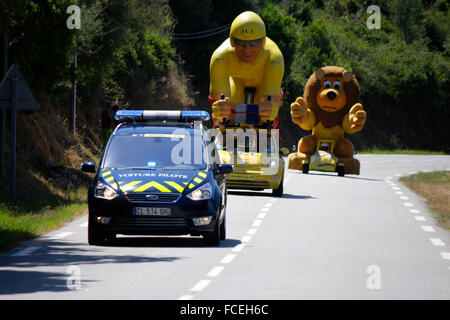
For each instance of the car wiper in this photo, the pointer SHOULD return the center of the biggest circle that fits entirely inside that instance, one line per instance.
(180, 167)
(135, 168)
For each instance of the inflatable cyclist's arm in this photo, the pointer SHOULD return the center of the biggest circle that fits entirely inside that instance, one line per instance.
(273, 76)
(219, 76)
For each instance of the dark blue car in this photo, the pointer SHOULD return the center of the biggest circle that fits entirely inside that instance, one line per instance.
(157, 177)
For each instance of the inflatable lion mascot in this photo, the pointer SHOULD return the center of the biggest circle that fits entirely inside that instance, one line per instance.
(330, 107)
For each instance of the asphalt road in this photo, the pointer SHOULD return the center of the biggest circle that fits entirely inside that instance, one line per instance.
(328, 237)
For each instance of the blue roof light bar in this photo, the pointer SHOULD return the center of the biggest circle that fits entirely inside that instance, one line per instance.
(161, 115)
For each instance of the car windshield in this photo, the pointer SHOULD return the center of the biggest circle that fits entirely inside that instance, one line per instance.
(248, 143)
(178, 150)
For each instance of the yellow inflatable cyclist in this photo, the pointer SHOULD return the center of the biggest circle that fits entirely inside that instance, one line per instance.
(247, 59)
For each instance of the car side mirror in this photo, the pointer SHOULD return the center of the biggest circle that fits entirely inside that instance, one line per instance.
(88, 166)
(225, 168)
(284, 151)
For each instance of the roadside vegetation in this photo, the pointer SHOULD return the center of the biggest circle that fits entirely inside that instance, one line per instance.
(435, 187)
(400, 151)
(137, 54)
(31, 219)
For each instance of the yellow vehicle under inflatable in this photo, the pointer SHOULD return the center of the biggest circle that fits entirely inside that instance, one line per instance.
(256, 157)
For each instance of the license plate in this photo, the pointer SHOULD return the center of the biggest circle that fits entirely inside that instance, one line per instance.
(241, 177)
(149, 211)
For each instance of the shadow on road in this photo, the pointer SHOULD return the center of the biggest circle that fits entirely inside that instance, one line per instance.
(169, 242)
(19, 274)
(334, 174)
(269, 195)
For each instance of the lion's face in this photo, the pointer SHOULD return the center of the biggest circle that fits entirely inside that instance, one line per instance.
(331, 95)
(330, 92)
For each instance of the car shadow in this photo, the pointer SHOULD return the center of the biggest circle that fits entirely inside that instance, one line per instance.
(269, 195)
(36, 272)
(168, 242)
(334, 174)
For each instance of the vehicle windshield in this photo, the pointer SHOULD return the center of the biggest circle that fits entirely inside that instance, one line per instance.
(151, 151)
(247, 143)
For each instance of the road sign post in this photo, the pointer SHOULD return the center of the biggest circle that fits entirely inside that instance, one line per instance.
(15, 94)
(3, 112)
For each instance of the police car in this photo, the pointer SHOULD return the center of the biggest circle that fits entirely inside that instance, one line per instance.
(255, 168)
(156, 177)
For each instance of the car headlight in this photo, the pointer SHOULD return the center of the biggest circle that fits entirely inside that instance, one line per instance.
(273, 164)
(104, 192)
(203, 192)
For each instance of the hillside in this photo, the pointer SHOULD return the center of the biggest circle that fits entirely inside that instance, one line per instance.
(137, 54)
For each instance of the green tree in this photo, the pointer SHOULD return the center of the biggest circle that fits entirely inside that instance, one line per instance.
(408, 16)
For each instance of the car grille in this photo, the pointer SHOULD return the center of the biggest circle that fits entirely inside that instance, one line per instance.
(141, 197)
(152, 222)
(247, 184)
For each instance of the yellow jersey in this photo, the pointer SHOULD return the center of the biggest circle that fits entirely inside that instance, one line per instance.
(228, 75)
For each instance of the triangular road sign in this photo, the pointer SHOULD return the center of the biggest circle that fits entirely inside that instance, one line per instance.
(24, 97)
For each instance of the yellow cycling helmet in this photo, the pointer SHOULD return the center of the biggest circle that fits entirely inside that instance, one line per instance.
(247, 26)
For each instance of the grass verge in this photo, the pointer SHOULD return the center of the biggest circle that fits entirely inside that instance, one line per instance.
(435, 187)
(401, 151)
(28, 220)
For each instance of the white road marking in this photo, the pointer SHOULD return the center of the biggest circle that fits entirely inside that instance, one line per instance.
(268, 204)
(445, 255)
(252, 231)
(420, 218)
(84, 224)
(215, 271)
(261, 215)
(404, 198)
(60, 235)
(186, 297)
(265, 209)
(427, 228)
(395, 188)
(414, 211)
(246, 239)
(399, 192)
(202, 284)
(239, 247)
(228, 258)
(257, 223)
(408, 204)
(25, 251)
(398, 175)
(437, 242)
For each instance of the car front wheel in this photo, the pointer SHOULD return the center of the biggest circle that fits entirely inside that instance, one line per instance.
(213, 238)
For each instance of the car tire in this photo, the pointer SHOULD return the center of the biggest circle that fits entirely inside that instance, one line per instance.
(98, 238)
(340, 171)
(223, 229)
(95, 238)
(213, 238)
(278, 192)
(305, 168)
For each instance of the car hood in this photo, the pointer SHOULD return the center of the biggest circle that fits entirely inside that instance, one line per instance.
(247, 158)
(149, 181)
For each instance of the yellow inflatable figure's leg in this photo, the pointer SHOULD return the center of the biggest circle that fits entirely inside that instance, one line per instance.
(344, 151)
(307, 145)
(295, 160)
(351, 165)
